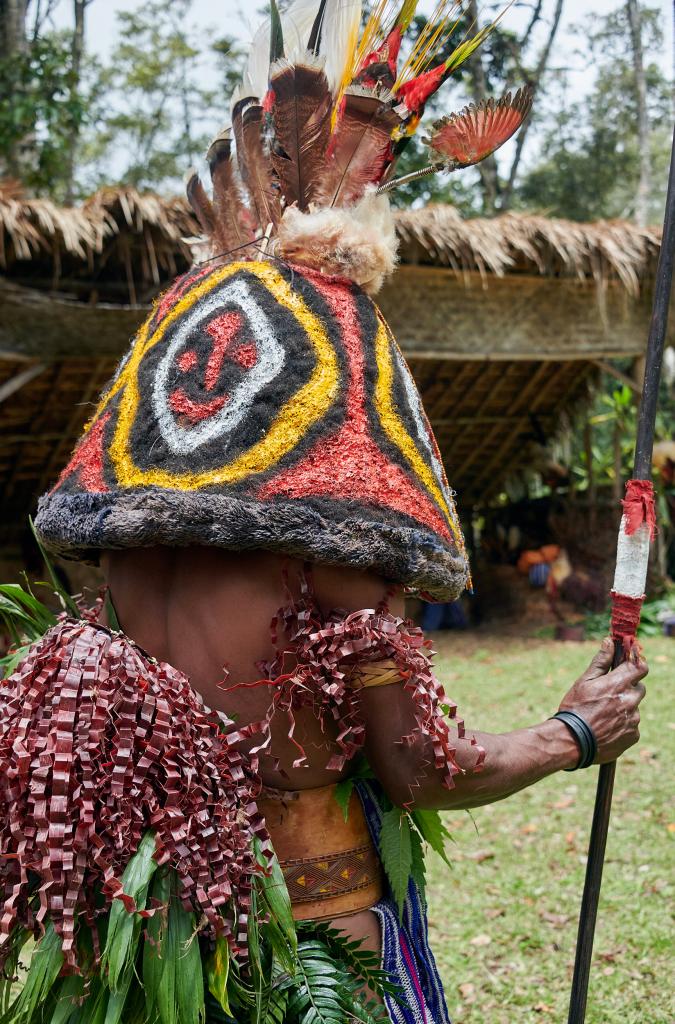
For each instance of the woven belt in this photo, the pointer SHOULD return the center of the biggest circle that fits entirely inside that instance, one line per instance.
(330, 865)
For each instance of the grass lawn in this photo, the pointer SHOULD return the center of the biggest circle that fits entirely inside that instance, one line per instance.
(503, 922)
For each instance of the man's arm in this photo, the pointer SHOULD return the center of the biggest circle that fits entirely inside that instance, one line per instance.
(608, 701)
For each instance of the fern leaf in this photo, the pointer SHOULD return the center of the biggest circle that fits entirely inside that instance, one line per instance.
(343, 794)
(430, 826)
(396, 852)
(418, 868)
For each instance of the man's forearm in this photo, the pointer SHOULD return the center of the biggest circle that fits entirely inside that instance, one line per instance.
(513, 761)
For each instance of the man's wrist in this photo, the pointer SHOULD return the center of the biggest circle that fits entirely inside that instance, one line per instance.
(563, 749)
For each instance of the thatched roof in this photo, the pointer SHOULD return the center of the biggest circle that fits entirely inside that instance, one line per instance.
(122, 235)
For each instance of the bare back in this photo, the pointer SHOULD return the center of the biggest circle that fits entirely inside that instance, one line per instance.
(208, 612)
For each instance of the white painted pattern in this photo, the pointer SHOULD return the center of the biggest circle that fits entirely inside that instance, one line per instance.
(417, 412)
(632, 561)
(270, 362)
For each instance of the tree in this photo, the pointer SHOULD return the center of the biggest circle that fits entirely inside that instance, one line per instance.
(591, 157)
(153, 109)
(644, 184)
(42, 108)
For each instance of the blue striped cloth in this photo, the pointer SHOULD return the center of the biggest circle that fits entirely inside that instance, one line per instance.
(406, 955)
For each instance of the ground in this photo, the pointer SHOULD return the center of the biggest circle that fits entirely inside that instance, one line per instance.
(503, 922)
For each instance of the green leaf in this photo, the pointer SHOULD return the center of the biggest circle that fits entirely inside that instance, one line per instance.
(124, 929)
(343, 794)
(396, 853)
(274, 893)
(45, 967)
(180, 995)
(67, 1003)
(418, 867)
(430, 826)
(218, 973)
(154, 960)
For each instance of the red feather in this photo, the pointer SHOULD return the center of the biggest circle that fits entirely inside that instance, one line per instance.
(477, 131)
(360, 150)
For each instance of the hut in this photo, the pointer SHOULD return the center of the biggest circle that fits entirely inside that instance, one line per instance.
(504, 323)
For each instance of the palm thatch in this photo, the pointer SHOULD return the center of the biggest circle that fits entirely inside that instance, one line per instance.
(146, 239)
(516, 241)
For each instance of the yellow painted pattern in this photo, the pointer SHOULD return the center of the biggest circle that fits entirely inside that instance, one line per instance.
(395, 430)
(293, 421)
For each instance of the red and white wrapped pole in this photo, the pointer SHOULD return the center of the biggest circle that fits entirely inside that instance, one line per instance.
(636, 533)
(638, 526)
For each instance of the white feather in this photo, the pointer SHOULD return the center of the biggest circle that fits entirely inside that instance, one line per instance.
(341, 26)
(296, 25)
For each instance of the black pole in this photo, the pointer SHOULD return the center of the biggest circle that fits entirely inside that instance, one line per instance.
(642, 471)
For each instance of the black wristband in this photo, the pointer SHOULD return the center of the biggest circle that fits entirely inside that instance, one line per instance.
(584, 735)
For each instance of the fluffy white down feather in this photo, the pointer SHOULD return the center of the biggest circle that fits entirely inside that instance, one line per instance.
(357, 242)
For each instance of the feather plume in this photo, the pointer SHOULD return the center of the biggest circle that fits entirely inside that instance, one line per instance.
(296, 24)
(340, 37)
(255, 165)
(200, 203)
(358, 242)
(301, 117)
(467, 138)
(360, 148)
(230, 228)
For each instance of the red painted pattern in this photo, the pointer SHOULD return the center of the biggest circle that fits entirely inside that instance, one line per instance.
(349, 464)
(88, 460)
(223, 331)
(195, 412)
(625, 621)
(178, 289)
(246, 356)
(639, 506)
(187, 361)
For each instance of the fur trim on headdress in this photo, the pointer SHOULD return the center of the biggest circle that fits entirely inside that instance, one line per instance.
(358, 242)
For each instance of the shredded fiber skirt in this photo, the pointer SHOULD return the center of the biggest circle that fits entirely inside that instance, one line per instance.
(159, 880)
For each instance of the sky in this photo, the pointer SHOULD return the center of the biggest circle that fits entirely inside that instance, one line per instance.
(239, 18)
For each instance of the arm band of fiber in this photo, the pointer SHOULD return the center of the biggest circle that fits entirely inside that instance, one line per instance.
(376, 673)
(584, 735)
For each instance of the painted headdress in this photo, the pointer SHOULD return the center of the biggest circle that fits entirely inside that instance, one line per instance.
(265, 403)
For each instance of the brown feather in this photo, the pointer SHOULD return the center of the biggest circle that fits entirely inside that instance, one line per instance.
(260, 180)
(230, 215)
(200, 203)
(360, 149)
(301, 117)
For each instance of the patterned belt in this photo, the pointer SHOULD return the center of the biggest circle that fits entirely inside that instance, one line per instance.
(330, 865)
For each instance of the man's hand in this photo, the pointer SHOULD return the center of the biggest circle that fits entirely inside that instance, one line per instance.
(609, 702)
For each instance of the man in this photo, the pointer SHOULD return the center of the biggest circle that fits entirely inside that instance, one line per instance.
(261, 487)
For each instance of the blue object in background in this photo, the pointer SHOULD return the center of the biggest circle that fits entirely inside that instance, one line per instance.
(539, 574)
(444, 616)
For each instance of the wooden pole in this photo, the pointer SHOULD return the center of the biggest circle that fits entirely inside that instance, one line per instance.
(642, 470)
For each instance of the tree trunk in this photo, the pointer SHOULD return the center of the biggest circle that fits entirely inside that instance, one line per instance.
(644, 184)
(489, 173)
(535, 82)
(77, 51)
(13, 42)
(12, 27)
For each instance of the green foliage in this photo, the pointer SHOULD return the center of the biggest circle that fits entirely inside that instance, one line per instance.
(589, 163)
(396, 852)
(41, 108)
(152, 111)
(43, 972)
(124, 928)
